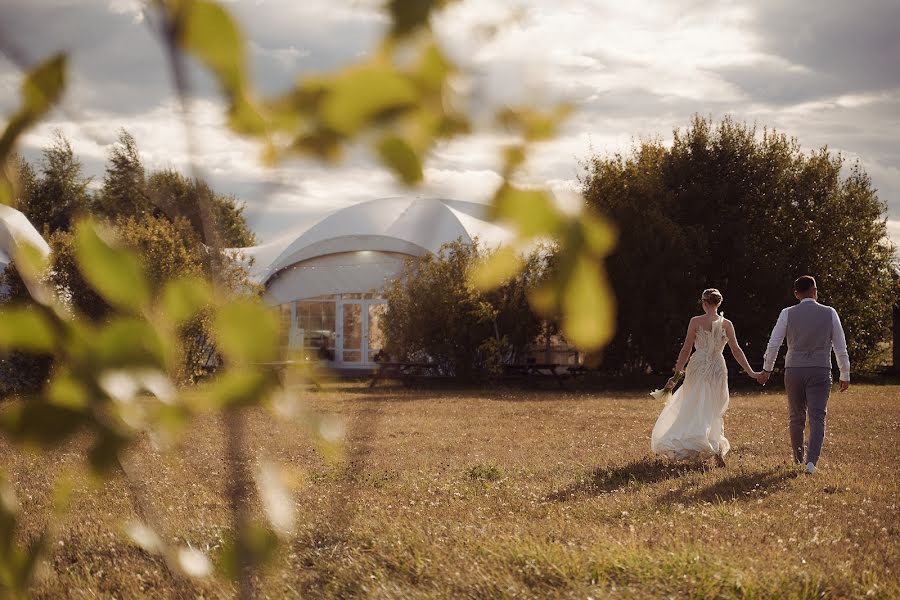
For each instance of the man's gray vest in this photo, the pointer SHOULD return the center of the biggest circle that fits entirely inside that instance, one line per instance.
(809, 327)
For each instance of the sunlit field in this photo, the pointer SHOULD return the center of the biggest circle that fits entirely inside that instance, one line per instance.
(508, 493)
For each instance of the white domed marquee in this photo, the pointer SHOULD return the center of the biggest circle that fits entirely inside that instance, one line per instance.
(327, 280)
(16, 229)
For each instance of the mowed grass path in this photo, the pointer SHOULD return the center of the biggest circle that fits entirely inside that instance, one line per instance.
(511, 494)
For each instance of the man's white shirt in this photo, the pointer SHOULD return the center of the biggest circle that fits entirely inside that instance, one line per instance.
(838, 342)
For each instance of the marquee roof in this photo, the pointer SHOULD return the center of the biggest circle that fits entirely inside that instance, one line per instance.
(412, 226)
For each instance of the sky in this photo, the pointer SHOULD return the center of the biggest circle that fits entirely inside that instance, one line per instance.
(826, 72)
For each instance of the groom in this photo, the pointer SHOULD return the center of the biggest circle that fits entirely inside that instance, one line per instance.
(812, 329)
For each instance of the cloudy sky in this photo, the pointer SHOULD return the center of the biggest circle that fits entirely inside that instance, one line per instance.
(825, 71)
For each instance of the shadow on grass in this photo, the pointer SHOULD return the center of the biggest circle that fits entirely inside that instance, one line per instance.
(604, 480)
(742, 486)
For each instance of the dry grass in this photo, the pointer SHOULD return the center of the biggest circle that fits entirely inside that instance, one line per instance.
(512, 494)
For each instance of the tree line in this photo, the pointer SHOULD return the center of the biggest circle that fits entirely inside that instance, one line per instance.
(724, 206)
(155, 213)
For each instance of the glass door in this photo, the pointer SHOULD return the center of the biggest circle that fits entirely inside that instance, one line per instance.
(351, 333)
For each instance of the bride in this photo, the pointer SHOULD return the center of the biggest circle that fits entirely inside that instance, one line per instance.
(692, 423)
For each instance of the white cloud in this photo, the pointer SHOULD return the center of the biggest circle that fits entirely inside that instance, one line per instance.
(634, 70)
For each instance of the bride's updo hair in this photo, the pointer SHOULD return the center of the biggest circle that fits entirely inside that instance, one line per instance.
(712, 296)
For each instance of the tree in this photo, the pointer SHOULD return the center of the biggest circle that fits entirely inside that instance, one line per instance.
(178, 196)
(435, 314)
(128, 191)
(124, 185)
(745, 211)
(60, 194)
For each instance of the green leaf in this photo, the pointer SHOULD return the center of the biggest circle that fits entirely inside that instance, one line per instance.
(7, 190)
(244, 387)
(66, 392)
(532, 212)
(114, 273)
(104, 454)
(209, 32)
(366, 93)
(41, 423)
(31, 261)
(246, 332)
(25, 329)
(44, 86)
(409, 15)
(399, 156)
(535, 125)
(185, 298)
(588, 312)
(41, 89)
(498, 267)
(261, 544)
(598, 234)
(127, 342)
(433, 69)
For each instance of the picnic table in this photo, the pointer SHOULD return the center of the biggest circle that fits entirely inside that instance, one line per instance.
(535, 371)
(407, 372)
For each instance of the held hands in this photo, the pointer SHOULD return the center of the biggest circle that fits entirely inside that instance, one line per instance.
(762, 378)
(845, 385)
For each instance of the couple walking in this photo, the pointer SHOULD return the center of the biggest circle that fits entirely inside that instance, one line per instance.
(691, 425)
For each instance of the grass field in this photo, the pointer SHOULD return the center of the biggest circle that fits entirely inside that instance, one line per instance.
(511, 494)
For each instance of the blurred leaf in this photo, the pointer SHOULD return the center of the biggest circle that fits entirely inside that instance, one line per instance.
(399, 156)
(409, 15)
(513, 158)
(535, 125)
(31, 261)
(40, 423)
(599, 235)
(114, 273)
(128, 343)
(239, 388)
(532, 212)
(262, 543)
(104, 454)
(588, 314)
(433, 69)
(246, 332)
(194, 563)
(365, 93)
(25, 329)
(498, 267)
(545, 299)
(183, 299)
(42, 88)
(44, 85)
(7, 189)
(246, 118)
(145, 537)
(209, 32)
(276, 497)
(66, 392)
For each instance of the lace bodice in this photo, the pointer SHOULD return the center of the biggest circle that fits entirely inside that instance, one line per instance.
(712, 340)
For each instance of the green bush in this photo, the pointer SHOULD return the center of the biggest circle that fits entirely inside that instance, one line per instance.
(747, 212)
(434, 314)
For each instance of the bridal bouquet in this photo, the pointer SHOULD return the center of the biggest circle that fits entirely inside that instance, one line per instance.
(664, 393)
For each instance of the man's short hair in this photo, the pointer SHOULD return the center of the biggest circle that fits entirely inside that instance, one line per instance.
(804, 284)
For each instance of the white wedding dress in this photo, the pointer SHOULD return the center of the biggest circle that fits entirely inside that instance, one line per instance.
(692, 423)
